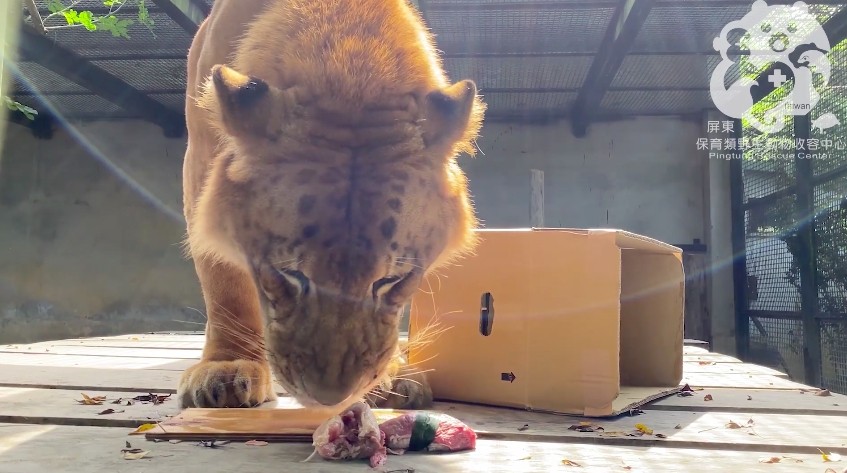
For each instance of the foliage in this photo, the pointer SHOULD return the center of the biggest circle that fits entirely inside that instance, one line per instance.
(19, 107)
(781, 217)
(64, 14)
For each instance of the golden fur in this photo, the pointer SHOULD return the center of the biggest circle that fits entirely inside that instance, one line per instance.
(320, 185)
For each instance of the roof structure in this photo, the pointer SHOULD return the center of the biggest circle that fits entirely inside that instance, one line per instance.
(532, 60)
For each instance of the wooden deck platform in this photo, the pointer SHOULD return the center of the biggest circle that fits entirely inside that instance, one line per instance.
(738, 416)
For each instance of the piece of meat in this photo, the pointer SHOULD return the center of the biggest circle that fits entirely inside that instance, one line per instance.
(433, 432)
(355, 434)
(351, 435)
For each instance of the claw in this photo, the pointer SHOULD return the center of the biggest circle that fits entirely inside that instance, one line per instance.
(219, 384)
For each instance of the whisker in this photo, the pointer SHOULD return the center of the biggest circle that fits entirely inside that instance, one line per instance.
(288, 263)
(410, 380)
(375, 393)
(188, 322)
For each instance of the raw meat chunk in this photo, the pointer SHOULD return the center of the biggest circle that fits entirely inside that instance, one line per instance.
(351, 435)
(355, 434)
(433, 432)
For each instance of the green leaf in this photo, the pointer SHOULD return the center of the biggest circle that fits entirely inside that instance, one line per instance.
(118, 27)
(14, 106)
(144, 15)
(71, 16)
(86, 19)
(55, 6)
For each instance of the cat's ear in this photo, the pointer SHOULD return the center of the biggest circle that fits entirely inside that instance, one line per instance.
(247, 105)
(450, 113)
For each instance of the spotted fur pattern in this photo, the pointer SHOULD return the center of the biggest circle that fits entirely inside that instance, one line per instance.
(320, 186)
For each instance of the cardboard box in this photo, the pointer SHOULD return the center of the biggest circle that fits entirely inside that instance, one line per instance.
(572, 321)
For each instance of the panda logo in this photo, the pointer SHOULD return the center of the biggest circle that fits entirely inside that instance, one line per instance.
(791, 39)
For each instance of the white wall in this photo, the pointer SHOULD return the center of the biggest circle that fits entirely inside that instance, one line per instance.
(641, 175)
(90, 232)
(90, 222)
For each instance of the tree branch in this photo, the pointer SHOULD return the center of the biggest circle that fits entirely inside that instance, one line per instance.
(36, 17)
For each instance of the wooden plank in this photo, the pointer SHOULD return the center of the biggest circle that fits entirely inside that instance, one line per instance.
(59, 406)
(143, 336)
(145, 353)
(99, 379)
(769, 432)
(93, 379)
(691, 367)
(710, 380)
(110, 344)
(86, 361)
(694, 350)
(97, 450)
(762, 432)
(716, 357)
(108, 352)
(756, 401)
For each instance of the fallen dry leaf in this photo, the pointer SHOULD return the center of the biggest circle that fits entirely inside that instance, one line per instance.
(525, 458)
(109, 411)
(134, 453)
(782, 459)
(143, 428)
(823, 392)
(749, 398)
(256, 443)
(644, 429)
(661, 436)
(830, 457)
(733, 425)
(585, 427)
(523, 427)
(678, 427)
(91, 401)
(175, 441)
(704, 363)
(154, 398)
(212, 443)
(708, 397)
(567, 462)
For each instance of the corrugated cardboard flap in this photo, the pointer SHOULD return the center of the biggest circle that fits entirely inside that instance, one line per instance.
(580, 321)
(623, 238)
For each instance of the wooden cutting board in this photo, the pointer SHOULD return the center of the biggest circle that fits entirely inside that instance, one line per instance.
(280, 423)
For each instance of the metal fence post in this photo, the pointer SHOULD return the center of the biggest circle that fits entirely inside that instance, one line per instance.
(739, 260)
(805, 228)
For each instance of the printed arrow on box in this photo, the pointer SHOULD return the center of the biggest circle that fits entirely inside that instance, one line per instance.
(510, 377)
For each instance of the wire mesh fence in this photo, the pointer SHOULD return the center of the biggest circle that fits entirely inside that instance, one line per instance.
(795, 233)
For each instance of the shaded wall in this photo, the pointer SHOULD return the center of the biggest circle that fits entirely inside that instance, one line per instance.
(91, 224)
(641, 175)
(82, 250)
